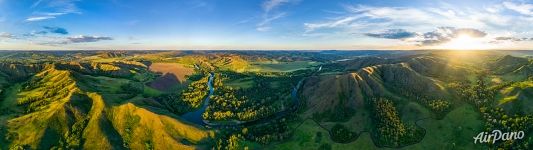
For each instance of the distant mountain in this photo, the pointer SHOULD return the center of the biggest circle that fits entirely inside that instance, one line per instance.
(510, 64)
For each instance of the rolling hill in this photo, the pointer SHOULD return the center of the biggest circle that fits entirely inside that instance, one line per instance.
(55, 110)
(382, 80)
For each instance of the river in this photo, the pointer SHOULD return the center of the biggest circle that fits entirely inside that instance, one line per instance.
(196, 116)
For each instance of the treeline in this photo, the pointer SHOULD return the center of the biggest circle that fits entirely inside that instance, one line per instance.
(187, 100)
(389, 130)
(341, 134)
(274, 130)
(481, 95)
(229, 104)
(269, 94)
(440, 107)
(497, 119)
(241, 137)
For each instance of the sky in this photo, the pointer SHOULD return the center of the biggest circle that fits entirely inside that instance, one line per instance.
(265, 24)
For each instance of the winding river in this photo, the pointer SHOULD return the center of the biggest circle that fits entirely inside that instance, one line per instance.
(196, 116)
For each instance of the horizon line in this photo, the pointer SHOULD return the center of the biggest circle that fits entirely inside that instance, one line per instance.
(273, 50)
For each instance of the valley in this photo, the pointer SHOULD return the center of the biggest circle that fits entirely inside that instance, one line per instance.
(264, 99)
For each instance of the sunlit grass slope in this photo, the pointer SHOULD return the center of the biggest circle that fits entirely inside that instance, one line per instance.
(55, 110)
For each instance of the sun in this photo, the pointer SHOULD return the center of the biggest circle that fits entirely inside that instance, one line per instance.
(466, 42)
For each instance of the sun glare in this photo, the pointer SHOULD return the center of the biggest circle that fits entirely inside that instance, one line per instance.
(466, 42)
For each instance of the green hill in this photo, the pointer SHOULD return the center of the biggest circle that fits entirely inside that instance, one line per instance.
(517, 97)
(509, 64)
(55, 110)
(385, 80)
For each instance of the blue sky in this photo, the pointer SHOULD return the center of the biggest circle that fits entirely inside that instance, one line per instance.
(265, 24)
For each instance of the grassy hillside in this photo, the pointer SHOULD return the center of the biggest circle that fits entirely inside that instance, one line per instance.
(398, 81)
(516, 97)
(67, 109)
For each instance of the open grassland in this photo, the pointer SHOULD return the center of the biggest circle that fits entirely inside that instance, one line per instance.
(310, 135)
(9, 101)
(413, 111)
(454, 131)
(173, 76)
(179, 70)
(463, 122)
(243, 83)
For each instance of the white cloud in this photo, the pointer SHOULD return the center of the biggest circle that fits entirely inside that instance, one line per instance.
(309, 27)
(363, 19)
(263, 29)
(267, 17)
(36, 3)
(272, 4)
(39, 18)
(54, 41)
(359, 20)
(525, 9)
(57, 8)
(86, 38)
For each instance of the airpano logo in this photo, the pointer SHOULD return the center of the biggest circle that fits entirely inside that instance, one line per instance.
(496, 135)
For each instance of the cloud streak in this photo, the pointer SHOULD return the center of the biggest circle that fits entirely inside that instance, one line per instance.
(39, 18)
(416, 25)
(393, 34)
(56, 30)
(439, 36)
(86, 39)
(54, 9)
(55, 41)
(268, 6)
(271, 4)
(513, 39)
(5, 35)
(524, 9)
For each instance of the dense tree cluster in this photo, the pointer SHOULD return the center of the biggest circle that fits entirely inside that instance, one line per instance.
(478, 94)
(275, 130)
(226, 105)
(389, 130)
(437, 105)
(187, 100)
(247, 104)
(196, 92)
(174, 103)
(497, 119)
(341, 134)
(133, 87)
(440, 107)
(482, 96)
(232, 142)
